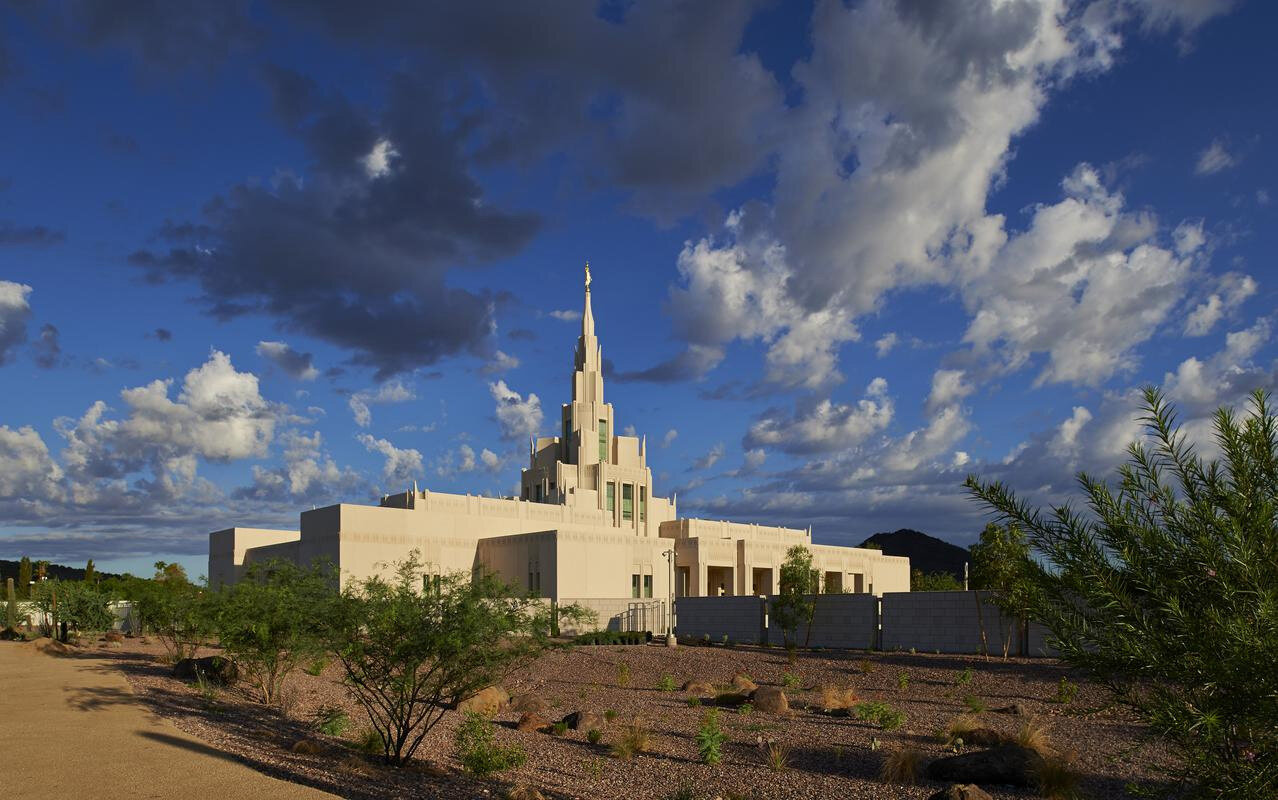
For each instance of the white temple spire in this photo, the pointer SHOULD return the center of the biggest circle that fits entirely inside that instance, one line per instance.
(587, 316)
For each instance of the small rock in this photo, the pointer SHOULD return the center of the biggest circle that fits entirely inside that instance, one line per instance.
(488, 702)
(533, 721)
(215, 669)
(1015, 708)
(770, 700)
(1007, 764)
(306, 747)
(585, 720)
(699, 687)
(743, 684)
(961, 791)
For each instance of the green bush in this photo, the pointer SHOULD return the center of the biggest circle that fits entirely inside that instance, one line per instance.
(331, 720)
(594, 736)
(879, 713)
(1065, 692)
(693, 702)
(477, 751)
(1164, 590)
(559, 728)
(667, 683)
(790, 681)
(964, 677)
(710, 738)
(975, 704)
(903, 681)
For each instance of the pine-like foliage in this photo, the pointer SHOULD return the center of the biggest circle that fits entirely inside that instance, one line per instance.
(1166, 591)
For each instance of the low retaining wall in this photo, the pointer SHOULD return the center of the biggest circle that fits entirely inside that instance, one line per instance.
(847, 621)
(741, 619)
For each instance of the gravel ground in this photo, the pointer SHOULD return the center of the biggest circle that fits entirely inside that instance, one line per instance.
(828, 756)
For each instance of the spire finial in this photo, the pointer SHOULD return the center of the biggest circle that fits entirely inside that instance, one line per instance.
(587, 276)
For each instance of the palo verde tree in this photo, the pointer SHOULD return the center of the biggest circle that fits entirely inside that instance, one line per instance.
(1167, 593)
(180, 613)
(273, 619)
(1001, 563)
(793, 606)
(409, 651)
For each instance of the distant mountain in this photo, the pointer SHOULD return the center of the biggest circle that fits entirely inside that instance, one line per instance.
(927, 553)
(9, 569)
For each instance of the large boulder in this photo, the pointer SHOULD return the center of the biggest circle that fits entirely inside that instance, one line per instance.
(532, 721)
(487, 702)
(1007, 764)
(524, 703)
(961, 791)
(699, 687)
(585, 721)
(214, 669)
(770, 700)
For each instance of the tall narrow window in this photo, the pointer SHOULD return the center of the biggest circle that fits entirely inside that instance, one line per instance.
(567, 441)
(647, 586)
(603, 440)
(612, 495)
(634, 585)
(539, 493)
(643, 503)
(627, 501)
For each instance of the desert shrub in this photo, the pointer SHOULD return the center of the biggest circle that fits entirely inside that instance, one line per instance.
(408, 655)
(793, 606)
(684, 791)
(634, 739)
(1001, 563)
(1065, 692)
(964, 677)
(903, 766)
(477, 751)
(778, 756)
(834, 698)
(667, 683)
(903, 681)
(610, 715)
(559, 728)
(975, 704)
(1056, 779)
(693, 702)
(331, 720)
(959, 729)
(921, 581)
(745, 708)
(369, 741)
(790, 680)
(613, 637)
(710, 738)
(594, 736)
(1164, 591)
(879, 713)
(623, 674)
(81, 605)
(181, 614)
(316, 667)
(1032, 735)
(273, 619)
(866, 666)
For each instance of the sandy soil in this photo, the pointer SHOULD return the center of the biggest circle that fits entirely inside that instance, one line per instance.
(73, 728)
(828, 756)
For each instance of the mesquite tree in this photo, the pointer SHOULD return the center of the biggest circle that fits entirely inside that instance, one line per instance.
(793, 606)
(410, 651)
(1001, 563)
(1166, 591)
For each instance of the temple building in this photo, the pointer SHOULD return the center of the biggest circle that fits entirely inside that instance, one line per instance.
(587, 526)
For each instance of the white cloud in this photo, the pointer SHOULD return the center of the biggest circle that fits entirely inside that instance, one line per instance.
(709, 459)
(377, 162)
(27, 471)
(629, 430)
(669, 438)
(295, 364)
(490, 460)
(1262, 197)
(1232, 289)
(15, 311)
(884, 344)
(517, 417)
(402, 465)
(393, 391)
(1215, 158)
(566, 315)
(307, 471)
(825, 426)
(501, 362)
(755, 458)
(949, 386)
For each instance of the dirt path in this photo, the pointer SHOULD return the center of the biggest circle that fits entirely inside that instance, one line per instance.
(73, 728)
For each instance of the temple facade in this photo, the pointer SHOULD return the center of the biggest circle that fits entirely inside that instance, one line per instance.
(586, 527)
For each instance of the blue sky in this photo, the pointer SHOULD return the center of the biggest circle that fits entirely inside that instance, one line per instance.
(256, 257)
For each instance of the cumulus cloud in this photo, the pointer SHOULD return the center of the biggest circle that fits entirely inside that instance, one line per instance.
(517, 417)
(1215, 158)
(27, 471)
(47, 349)
(297, 365)
(402, 464)
(308, 472)
(824, 426)
(500, 362)
(669, 438)
(1232, 289)
(884, 344)
(15, 311)
(393, 391)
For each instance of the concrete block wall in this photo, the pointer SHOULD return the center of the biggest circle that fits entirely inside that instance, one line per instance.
(739, 618)
(1038, 644)
(846, 621)
(944, 621)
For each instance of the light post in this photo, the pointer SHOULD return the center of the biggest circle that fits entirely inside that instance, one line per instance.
(670, 637)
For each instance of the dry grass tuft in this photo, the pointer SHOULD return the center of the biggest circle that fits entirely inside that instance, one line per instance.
(1033, 736)
(354, 765)
(306, 747)
(778, 756)
(961, 727)
(904, 766)
(524, 793)
(1056, 779)
(834, 698)
(634, 739)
